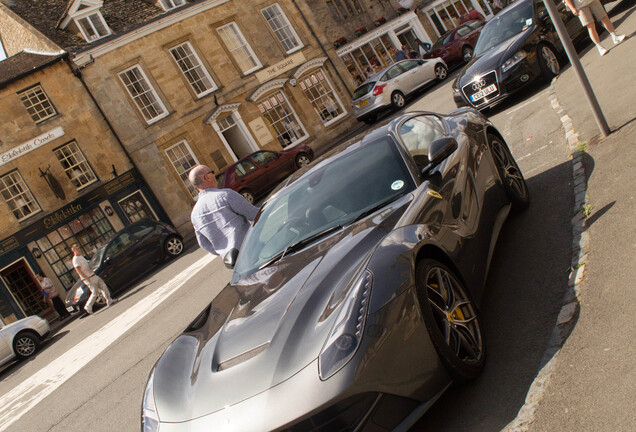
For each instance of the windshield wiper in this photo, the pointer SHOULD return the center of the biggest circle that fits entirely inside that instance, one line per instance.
(300, 244)
(374, 209)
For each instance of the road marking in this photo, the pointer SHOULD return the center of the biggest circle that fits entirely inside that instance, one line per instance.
(29, 393)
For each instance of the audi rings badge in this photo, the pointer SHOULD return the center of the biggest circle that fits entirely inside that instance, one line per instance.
(477, 85)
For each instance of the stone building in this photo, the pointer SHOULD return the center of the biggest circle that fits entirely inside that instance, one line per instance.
(188, 82)
(64, 179)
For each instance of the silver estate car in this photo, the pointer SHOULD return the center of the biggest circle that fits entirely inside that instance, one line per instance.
(22, 338)
(390, 86)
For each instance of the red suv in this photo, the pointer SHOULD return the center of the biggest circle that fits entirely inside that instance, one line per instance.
(256, 174)
(456, 46)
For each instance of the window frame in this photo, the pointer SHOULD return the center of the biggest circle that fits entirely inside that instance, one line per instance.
(193, 191)
(263, 107)
(88, 19)
(200, 67)
(165, 7)
(245, 45)
(84, 162)
(25, 193)
(151, 90)
(332, 93)
(32, 92)
(288, 26)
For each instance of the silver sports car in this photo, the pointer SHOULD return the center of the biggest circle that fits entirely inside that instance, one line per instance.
(354, 300)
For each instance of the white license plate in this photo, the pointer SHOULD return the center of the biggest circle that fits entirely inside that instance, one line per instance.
(483, 92)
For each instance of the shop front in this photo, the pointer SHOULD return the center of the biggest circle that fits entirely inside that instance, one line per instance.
(45, 244)
(445, 15)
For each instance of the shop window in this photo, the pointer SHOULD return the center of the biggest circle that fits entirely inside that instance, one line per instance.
(183, 160)
(282, 28)
(75, 166)
(93, 27)
(282, 119)
(190, 65)
(90, 231)
(136, 207)
(37, 103)
(239, 48)
(18, 196)
(171, 4)
(320, 94)
(143, 94)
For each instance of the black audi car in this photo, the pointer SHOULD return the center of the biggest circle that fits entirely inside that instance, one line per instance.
(517, 46)
(126, 256)
(354, 301)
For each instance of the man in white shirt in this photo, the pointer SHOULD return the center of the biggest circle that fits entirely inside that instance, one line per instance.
(220, 217)
(92, 281)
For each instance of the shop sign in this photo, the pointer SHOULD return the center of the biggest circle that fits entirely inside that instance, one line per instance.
(8, 244)
(119, 183)
(261, 131)
(62, 214)
(281, 67)
(30, 145)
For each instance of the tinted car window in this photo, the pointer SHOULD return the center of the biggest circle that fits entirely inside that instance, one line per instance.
(264, 157)
(445, 38)
(474, 25)
(119, 244)
(418, 133)
(333, 195)
(393, 72)
(463, 31)
(363, 89)
(140, 231)
(410, 64)
(244, 168)
(504, 25)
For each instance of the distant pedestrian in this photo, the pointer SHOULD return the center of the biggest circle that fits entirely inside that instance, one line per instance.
(422, 47)
(221, 217)
(91, 280)
(50, 292)
(587, 10)
(400, 54)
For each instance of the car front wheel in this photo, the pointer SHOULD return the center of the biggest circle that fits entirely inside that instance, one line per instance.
(549, 62)
(173, 246)
(302, 159)
(398, 100)
(26, 344)
(440, 72)
(451, 320)
(511, 176)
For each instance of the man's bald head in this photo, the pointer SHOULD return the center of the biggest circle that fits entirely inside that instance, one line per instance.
(202, 177)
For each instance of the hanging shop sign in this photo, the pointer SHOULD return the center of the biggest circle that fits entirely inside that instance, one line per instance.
(30, 145)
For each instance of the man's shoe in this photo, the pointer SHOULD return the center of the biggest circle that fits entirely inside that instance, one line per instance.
(618, 39)
(602, 51)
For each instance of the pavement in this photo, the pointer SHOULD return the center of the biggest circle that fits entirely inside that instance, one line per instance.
(588, 380)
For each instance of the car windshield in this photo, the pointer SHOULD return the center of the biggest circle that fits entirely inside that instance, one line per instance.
(504, 25)
(97, 257)
(442, 40)
(363, 89)
(335, 193)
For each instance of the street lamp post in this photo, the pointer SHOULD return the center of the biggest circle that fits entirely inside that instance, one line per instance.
(576, 64)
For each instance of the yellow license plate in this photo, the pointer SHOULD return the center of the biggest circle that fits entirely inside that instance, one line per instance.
(363, 103)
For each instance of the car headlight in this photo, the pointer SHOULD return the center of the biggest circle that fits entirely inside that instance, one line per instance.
(513, 60)
(346, 333)
(149, 416)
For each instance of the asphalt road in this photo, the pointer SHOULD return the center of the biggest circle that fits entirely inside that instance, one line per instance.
(90, 376)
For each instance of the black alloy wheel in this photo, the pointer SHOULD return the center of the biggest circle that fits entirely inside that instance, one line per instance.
(451, 320)
(440, 72)
(397, 100)
(26, 344)
(511, 176)
(302, 159)
(173, 246)
(248, 195)
(548, 62)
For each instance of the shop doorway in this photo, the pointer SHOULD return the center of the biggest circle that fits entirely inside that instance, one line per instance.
(234, 135)
(25, 289)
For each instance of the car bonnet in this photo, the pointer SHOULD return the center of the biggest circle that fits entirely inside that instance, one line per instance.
(261, 331)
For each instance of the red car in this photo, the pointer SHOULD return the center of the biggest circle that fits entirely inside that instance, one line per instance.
(255, 175)
(456, 46)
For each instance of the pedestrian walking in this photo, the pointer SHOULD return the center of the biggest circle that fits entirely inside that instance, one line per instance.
(400, 54)
(220, 217)
(50, 292)
(91, 280)
(587, 10)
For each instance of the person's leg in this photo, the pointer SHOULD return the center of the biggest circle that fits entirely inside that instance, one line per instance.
(91, 300)
(104, 289)
(58, 304)
(591, 29)
(599, 12)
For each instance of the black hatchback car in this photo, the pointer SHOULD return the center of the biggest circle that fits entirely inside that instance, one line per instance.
(128, 255)
(514, 48)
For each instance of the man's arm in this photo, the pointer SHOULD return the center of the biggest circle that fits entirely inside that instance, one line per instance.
(205, 243)
(570, 5)
(241, 206)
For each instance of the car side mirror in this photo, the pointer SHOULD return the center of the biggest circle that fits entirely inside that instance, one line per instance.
(230, 258)
(438, 151)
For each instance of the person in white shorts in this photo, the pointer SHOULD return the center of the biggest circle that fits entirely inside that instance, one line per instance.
(587, 10)
(92, 281)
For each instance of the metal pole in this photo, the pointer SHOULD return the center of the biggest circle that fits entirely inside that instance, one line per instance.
(576, 64)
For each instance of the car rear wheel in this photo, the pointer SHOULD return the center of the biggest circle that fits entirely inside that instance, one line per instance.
(511, 176)
(26, 344)
(440, 72)
(248, 195)
(302, 159)
(467, 53)
(451, 320)
(173, 246)
(398, 100)
(549, 62)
